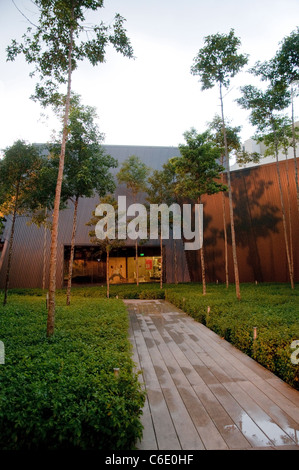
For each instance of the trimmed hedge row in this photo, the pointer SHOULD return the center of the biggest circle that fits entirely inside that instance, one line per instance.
(61, 392)
(272, 309)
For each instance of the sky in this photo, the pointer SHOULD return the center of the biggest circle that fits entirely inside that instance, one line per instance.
(153, 99)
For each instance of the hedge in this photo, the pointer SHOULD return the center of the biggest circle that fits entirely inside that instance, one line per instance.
(272, 308)
(61, 392)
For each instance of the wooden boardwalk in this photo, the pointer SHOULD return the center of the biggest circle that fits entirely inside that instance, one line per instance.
(203, 393)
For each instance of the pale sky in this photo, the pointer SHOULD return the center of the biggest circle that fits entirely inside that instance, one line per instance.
(153, 99)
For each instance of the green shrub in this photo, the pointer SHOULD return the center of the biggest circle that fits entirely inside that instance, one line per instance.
(272, 308)
(61, 392)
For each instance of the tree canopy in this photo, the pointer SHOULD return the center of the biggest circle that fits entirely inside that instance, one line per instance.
(218, 61)
(61, 26)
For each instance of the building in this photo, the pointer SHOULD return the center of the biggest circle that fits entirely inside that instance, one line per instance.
(258, 223)
(31, 249)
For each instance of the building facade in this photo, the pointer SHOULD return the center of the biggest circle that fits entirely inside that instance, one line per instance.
(31, 248)
(258, 224)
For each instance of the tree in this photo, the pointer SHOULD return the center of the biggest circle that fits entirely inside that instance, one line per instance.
(264, 106)
(55, 47)
(216, 63)
(281, 138)
(161, 190)
(198, 172)
(134, 173)
(233, 144)
(110, 241)
(87, 166)
(18, 173)
(42, 199)
(283, 69)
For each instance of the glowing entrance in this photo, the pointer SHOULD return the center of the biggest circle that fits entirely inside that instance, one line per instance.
(89, 265)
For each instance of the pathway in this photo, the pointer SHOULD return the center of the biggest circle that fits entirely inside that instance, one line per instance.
(203, 393)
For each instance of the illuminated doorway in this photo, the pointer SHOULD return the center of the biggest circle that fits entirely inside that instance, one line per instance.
(89, 266)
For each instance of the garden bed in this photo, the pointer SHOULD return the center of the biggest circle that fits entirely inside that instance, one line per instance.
(61, 392)
(271, 309)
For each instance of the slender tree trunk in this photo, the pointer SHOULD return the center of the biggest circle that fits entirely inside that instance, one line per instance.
(283, 215)
(107, 273)
(175, 262)
(202, 260)
(45, 251)
(136, 258)
(70, 272)
(136, 247)
(10, 246)
(290, 213)
(54, 232)
(294, 150)
(162, 264)
(225, 234)
(231, 210)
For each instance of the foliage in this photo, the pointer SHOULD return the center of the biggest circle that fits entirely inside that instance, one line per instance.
(134, 173)
(54, 49)
(232, 134)
(198, 169)
(46, 46)
(109, 220)
(19, 170)
(161, 184)
(61, 392)
(218, 61)
(284, 67)
(264, 104)
(111, 239)
(272, 308)
(87, 166)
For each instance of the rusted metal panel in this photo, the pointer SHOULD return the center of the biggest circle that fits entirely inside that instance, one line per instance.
(258, 225)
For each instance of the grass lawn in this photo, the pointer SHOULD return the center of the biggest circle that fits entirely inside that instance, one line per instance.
(61, 392)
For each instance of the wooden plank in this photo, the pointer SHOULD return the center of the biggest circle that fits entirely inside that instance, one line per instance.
(281, 399)
(226, 427)
(221, 372)
(184, 426)
(205, 426)
(148, 440)
(241, 419)
(228, 364)
(202, 392)
(285, 389)
(212, 336)
(165, 432)
(276, 435)
(290, 426)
